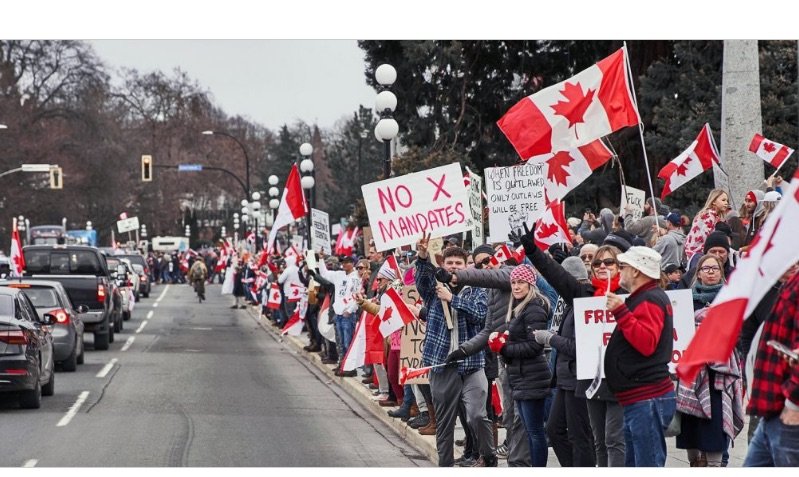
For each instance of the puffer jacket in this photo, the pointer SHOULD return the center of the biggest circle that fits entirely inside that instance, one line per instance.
(566, 345)
(528, 371)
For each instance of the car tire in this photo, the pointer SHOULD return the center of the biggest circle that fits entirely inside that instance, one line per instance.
(101, 340)
(31, 399)
(125, 317)
(49, 388)
(117, 327)
(70, 364)
(80, 358)
(146, 294)
(111, 334)
(136, 297)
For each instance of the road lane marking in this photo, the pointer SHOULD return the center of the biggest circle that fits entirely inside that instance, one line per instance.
(103, 372)
(74, 409)
(30, 463)
(155, 305)
(128, 343)
(201, 329)
(141, 327)
(150, 314)
(161, 297)
(189, 350)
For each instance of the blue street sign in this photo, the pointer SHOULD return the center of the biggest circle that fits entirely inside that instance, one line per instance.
(190, 167)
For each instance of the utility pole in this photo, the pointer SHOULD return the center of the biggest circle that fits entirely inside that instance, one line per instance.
(740, 118)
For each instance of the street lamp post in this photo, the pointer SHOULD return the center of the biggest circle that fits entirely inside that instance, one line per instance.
(274, 192)
(21, 226)
(243, 149)
(307, 182)
(255, 206)
(385, 103)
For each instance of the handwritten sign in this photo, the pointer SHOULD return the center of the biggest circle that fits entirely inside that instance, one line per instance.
(476, 208)
(632, 203)
(320, 232)
(412, 338)
(400, 209)
(594, 324)
(335, 229)
(515, 196)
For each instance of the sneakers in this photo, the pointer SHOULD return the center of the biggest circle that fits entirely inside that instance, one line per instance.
(502, 451)
(464, 461)
(329, 361)
(367, 379)
(421, 420)
(460, 442)
(484, 461)
(401, 413)
(380, 397)
(387, 403)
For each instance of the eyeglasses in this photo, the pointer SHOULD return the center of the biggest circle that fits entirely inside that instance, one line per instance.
(360, 268)
(709, 269)
(587, 257)
(482, 263)
(607, 262)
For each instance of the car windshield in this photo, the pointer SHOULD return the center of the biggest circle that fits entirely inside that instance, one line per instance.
(62, 262)
(6, 306)
(42, 297)
(138, 268)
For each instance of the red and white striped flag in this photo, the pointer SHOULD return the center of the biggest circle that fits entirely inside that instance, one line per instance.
(699, 157)
(565, 170)
(17, 259)
(292, 205)
(407, 373)
(273, 303)
(771, 253)
(588, 106)
(551, 227)
(294, 325)
(772, 152)
(394, 312)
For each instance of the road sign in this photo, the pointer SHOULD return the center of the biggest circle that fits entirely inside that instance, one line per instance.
(190, 167)
(128, 225)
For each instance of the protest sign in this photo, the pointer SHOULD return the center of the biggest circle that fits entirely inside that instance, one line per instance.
(402, 208)
(320, 236)
(632, 203)
(594, 324)
(367, 240)
(412, 339)
(476, 208)
(515, 196)
(298, 241)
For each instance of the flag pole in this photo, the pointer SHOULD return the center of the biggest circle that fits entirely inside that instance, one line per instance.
(641, 131)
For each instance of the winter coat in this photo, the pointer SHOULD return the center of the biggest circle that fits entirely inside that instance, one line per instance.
(565, 343)
(671, 247)
(527, 368)
(643, 227)
(704, 223)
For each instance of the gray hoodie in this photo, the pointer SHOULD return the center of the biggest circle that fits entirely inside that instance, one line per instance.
(671, 247)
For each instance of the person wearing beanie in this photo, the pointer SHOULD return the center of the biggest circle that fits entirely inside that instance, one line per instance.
(575, 267)
(620, 239)
(718, 244)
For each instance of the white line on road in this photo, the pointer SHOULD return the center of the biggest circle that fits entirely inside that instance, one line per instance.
(150, 314)
(129, 342)
(161, 297)
(74, 409)
(201, 329)
(103, 372)
(30, 463)
(155, 305)
(141, 327)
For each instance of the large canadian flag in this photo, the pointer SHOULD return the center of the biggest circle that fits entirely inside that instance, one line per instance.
(394, 313)
(293, 326)
(292, 205)
(588, 106)
(772, 152)
(771, 253)
(699, 157)
(356, 354)
(565, 170)
(346, 241)
(551, 227)
(17, 262)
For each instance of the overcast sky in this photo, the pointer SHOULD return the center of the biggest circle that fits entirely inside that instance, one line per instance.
(272, 82)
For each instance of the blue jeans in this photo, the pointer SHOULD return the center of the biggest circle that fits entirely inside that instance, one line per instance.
(345, 325)
(773, 445)
(531, 412)
(644, 426)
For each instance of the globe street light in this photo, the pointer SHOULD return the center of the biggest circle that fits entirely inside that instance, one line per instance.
(385, 104)
(89, 225)
(307, 183)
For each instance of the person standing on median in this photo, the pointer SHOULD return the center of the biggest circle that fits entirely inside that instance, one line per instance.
(466, 308)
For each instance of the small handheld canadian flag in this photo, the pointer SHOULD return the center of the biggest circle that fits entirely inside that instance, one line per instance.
(772, 152)
(501, 255)
(394, 312)
(273, 303)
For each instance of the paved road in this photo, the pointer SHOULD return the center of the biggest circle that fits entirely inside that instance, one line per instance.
(197, 385)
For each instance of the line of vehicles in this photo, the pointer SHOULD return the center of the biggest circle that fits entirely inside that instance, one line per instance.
(66, 291)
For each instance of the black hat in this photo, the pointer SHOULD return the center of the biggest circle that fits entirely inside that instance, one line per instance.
(454, 240)
(724, 228)
(717, 239)
(346, 258)
(619, 239)
(673, 267)
(674, 218)
(485, 248)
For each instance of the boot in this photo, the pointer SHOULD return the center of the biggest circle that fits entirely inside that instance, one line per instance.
(419, 421)
(429, 429)
(414, 411)
(700, 461)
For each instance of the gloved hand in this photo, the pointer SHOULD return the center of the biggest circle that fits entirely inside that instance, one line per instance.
(543, 336)
(497, 341)
(443, 275)
(515, 236)
(456, 355)
(528, 241)
(558, 252)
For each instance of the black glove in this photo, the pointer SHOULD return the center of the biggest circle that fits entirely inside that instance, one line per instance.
(443, 275)
(558, 252)
(528, 241)
(515, 236)
(456, 355)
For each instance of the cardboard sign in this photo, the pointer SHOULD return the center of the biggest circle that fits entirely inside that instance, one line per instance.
(594, 324)
(367, 239)
(632, 203)
(515, 196)
(476, 208)
(128, 225)
(310, 259)
(402, 208)
(320, 232)
(412, 339)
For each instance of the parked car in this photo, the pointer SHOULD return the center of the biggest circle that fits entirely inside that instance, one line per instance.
(137, 259)
(121, 286)
(51, 297)
(144, 281)
(26, 349)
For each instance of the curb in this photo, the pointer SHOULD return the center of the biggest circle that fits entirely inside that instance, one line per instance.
(426, 445)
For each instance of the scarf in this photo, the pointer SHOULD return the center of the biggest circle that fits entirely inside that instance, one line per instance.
(705, 293)
(601, 285)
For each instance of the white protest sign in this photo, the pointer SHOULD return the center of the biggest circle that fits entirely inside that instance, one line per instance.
(298, 241)
(476, 208)
(335, 230)
(400, 209)
(515, 196)
(310, 259)
(128, 225)
(632, 203)
(320, 232)
(594, 325)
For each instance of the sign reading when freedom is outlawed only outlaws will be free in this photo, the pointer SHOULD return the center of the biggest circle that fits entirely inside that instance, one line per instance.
(402, 208)
(515, 197)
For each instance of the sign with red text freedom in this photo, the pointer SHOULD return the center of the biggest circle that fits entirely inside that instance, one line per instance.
(594, 324)
(402, 208)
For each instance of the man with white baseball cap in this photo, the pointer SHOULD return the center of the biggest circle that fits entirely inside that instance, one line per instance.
(638, 355)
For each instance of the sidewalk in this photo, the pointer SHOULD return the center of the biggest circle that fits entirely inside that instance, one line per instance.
(427, 444)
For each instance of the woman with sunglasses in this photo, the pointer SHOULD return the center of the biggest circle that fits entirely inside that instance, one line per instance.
(712, 408)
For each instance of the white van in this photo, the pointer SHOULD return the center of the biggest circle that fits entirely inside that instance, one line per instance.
(170, 244)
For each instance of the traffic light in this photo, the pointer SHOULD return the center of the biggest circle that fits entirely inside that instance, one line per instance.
(147, 168)
(56, 178)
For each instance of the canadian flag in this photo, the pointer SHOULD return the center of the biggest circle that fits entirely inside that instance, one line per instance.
(772, 152)
(292, 205)
(294, 325)
(17, 262)
(394, 313)
(224, 255)
(346, 241)
(699, 157)
(771, 253)
(565, 170)
(273, 303)
(551, 227)
(296, 293)
(326, 329)
(292, 252)
(390, 266)
(501, 255)
(356, 353)
(407, 373)
(588, 106)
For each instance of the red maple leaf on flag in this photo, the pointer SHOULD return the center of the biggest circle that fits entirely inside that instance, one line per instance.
(296, 291)
(576, 103)
(387, 315)
(769, 147)
(547, 230)
(556, 167)
(682, 169)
